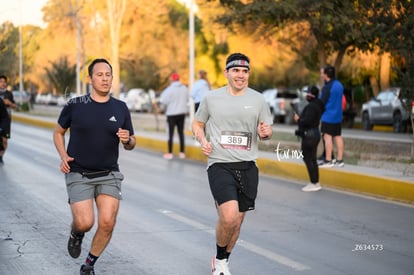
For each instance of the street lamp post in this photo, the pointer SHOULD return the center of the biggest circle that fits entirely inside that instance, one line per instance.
(78, 86)
(20, 55)
(191, 58)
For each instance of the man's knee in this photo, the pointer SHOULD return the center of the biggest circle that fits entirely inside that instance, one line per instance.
(82, 225)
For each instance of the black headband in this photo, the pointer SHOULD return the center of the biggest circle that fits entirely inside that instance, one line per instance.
(237, 63)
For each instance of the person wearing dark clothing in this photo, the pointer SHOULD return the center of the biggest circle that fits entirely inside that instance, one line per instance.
(175, 98)
(98, 123)
(308, 131)
(8, 100)
(4, 118)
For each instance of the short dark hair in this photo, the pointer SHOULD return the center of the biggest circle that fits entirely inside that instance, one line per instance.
(313, 90)
(3, 77)
(329, 71)
(95, 61)
(237, 56)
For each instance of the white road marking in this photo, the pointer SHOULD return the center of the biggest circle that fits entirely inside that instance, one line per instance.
(246, 245)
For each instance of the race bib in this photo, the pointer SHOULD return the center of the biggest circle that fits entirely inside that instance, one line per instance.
(236, 140)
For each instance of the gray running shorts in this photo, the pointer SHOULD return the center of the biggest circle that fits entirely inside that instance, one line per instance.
(81, 188)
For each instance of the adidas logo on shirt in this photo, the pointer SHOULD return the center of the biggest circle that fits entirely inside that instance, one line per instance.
(112, 119)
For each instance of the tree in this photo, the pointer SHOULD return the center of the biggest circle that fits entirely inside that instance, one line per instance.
(393, 24)
(333, 25)
(62, 75)
(115, 13)
(9, 40)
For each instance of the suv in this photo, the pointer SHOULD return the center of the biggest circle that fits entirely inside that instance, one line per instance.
(388, 108)
(280, 103)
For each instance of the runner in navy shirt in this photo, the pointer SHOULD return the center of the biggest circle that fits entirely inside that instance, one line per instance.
(98, 123)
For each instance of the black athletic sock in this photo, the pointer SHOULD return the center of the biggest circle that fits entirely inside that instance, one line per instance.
(228, 255)
(91, 259)
(221, 252)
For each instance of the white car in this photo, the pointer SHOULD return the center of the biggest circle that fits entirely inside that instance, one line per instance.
(21, 97)
(138, 100)
(279, 101)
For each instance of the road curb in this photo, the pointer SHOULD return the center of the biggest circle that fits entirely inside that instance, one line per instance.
(372, 185)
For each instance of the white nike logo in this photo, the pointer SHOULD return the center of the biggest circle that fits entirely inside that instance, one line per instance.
(112, 119)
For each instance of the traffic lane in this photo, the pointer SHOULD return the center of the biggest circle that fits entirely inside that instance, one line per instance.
(291, 231)
(334, 232)
(166, 221)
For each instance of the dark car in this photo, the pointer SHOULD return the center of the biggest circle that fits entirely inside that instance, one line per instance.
(388, 108)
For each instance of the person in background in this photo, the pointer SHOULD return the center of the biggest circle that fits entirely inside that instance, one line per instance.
(228, 125)
(98, 122)
(331, 127)
(4, 119)
(175, 99)
(200, 89)
(10, 104)
(308, 130)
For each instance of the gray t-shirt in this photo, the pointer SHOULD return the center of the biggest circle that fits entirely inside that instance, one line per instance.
(231, 124)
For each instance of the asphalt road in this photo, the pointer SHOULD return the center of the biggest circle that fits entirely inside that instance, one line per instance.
(166, 222)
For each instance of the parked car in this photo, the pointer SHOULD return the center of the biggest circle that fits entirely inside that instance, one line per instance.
(21, 97)
(22, 100)
(388, 108)
(281, 102)
(138, 100)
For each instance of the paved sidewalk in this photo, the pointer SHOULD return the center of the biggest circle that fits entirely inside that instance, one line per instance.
(381, 183)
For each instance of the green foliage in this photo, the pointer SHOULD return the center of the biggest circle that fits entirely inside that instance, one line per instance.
(359, 94)
(154, 40)
(178, 16)
(62, 75)
(142, 73)
(9, 39)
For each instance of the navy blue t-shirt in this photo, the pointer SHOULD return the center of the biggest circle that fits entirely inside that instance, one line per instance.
(93, 142)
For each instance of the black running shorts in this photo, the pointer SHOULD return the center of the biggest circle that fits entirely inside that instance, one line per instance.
(332, 129)
(234, 181)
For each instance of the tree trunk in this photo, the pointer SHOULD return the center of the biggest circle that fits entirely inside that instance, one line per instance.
(116, 11)
(374, 85)
(385, 63)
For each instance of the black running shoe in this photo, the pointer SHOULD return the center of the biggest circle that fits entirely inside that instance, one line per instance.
(87, 270)
(74, 244)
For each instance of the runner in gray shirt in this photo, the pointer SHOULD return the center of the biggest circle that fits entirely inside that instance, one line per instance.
(229, 124)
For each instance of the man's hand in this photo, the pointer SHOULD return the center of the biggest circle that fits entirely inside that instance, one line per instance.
(123, 135)
(64, 165)
(264, 130)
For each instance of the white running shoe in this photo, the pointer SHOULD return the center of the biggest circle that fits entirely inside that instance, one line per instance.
(311, 187)
(328, 164)
(339, 163)
(168, 156)
(220, 267)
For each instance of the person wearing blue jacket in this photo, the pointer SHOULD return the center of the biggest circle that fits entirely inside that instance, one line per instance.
(331, 119)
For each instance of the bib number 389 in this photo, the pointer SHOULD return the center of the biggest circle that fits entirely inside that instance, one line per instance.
(236, 140)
